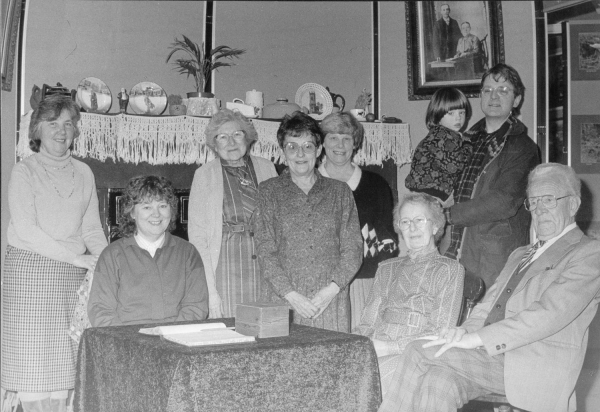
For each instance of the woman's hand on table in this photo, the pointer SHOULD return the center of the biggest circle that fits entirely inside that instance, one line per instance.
(381, 348)
(86, 261)
(323, 298)
(302, 305)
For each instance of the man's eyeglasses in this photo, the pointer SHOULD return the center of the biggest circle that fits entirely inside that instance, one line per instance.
(548, 201)
(419, 222)
(307, 147)
(223, 138)
(501, 90)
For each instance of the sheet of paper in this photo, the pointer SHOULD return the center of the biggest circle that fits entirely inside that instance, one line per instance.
(176, 329)
(209, 337)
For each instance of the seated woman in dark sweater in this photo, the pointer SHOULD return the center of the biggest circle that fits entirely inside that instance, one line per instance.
(374, 202)
(148, 276)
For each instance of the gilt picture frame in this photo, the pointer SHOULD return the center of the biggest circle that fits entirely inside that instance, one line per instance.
(451, 44)
(10, 19)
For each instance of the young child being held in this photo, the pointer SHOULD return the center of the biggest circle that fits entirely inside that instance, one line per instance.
(440, 158)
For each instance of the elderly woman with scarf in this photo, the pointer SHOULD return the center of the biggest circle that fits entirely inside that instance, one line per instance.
(221, 212)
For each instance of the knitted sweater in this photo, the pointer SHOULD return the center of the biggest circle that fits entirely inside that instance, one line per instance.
(59, 227)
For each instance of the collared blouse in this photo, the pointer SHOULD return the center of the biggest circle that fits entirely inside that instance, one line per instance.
(412, 298)
(307, 241)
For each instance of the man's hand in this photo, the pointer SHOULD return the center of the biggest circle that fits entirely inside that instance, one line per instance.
(302, 305)
(323, 298)
(453, 338)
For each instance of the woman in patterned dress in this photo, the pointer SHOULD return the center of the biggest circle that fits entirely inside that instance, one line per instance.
(54, 221)
(309, 241)
(416, 295)
(221, 213)
(374, 202)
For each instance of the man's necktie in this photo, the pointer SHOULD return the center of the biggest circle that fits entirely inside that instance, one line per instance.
(529, 254)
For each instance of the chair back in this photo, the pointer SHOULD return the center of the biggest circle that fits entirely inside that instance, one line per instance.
(473, 290)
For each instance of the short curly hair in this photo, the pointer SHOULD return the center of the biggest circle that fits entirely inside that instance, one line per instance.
(225, 116)
(433, 206)
(344, 123)
(141, 189)
(298, 124)
(49, 110)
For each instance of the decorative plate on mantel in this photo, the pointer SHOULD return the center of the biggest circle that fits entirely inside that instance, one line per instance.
(147, 98)
(93, 95)
(316, 99)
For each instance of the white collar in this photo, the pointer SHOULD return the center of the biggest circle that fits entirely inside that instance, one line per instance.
(151, 247)
(354, 179)
(554, 240)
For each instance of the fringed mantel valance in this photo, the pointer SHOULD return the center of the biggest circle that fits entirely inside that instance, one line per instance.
(180, 139)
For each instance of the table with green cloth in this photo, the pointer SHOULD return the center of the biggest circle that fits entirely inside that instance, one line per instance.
(120, 369)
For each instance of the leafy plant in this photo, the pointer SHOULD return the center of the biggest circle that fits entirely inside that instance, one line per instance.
(174, 99)
(200, 63)
(363, 100)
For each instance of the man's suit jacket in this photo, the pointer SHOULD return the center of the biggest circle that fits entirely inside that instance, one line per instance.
(445, 38)
(545, 332)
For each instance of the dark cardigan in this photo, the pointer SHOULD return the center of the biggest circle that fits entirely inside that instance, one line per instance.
(375, 203)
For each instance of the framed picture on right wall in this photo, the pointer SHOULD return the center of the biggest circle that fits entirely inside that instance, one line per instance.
(581, 114)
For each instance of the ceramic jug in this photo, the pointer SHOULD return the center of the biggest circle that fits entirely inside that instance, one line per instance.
(334, 97)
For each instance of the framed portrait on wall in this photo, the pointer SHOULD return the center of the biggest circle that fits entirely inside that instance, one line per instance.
(585, 144)
(451, 43)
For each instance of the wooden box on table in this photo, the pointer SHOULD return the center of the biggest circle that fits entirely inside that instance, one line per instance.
(263, 320)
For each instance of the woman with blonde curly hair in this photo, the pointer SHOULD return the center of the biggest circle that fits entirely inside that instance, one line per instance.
(149, 275)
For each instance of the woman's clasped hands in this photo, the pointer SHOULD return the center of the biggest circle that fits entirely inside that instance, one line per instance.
(313, 308)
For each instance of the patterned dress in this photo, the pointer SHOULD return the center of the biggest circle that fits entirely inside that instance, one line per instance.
(438, 162)
(238, 276)
(411, 298)
(306, 241)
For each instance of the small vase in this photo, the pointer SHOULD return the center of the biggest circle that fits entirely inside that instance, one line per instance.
(200, 94)
(177, 109)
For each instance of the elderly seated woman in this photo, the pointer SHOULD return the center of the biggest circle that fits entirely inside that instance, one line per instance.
(413, 296)
(148, 276)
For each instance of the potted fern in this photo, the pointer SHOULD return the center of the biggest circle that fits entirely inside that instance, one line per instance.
(200, 63)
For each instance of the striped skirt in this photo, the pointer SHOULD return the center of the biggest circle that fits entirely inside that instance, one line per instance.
(237, 276)
(39, 296)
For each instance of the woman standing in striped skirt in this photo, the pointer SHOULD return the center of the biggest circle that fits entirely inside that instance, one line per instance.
(221, 213)
(54, 220)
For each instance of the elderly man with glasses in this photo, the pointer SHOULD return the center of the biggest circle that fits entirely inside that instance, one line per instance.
(488, 219)
(527, 338)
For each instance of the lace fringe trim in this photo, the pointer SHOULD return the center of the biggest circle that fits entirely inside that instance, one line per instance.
(181, 139)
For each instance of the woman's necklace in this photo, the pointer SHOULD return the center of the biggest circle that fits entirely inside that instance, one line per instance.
(44, 165)
(59, 168)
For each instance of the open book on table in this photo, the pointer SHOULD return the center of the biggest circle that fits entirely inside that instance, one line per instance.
(198, 334)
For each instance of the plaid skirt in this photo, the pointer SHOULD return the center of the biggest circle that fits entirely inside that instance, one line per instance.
(39, 296)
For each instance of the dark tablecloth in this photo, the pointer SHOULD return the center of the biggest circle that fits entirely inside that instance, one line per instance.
(121, 370)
